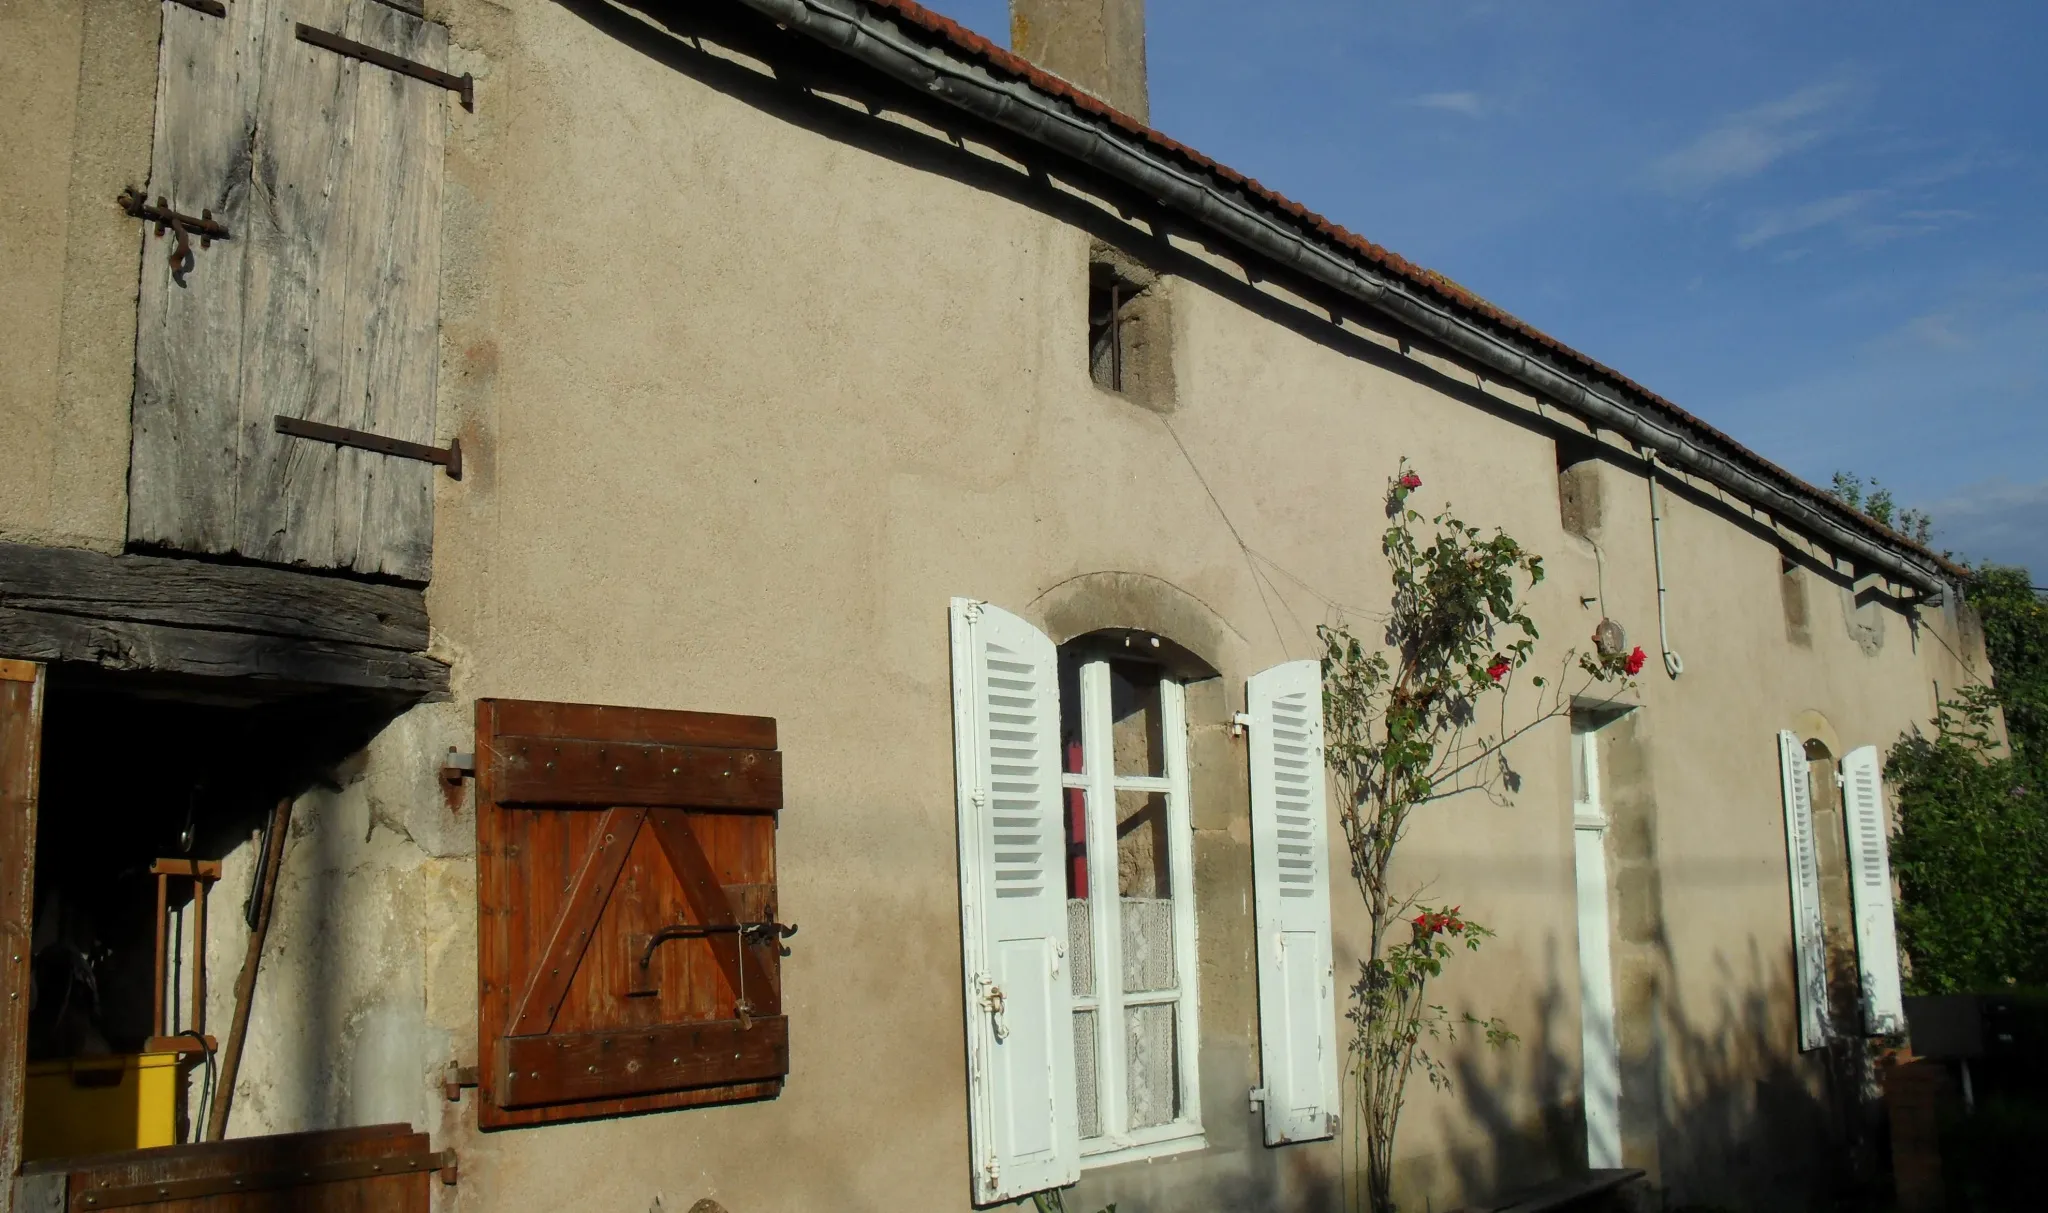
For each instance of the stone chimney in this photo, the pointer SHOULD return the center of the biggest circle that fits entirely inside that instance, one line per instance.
(1097, 46)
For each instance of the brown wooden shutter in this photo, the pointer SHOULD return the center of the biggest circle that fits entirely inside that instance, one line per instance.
(21, 743)
(322, 304)
(598, 827)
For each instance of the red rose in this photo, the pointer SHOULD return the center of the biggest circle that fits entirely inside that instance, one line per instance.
(1411, 481)
(1498, 668)
(1633, 663)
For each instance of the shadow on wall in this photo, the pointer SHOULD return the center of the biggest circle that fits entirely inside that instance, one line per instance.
(1723, 1113)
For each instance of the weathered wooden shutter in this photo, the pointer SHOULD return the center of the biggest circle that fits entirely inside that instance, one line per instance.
(21, 745)
(323, 303)
(1291, 895)
(1870, 879)
(1024, 1130)
(1809, 939)
(608, 841)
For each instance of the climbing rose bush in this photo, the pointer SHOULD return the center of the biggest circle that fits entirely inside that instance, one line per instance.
(1404, 727)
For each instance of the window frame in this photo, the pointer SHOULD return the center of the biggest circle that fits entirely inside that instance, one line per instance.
(1100, 783)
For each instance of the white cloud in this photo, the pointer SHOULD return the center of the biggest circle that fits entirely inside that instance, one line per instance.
(1467, 103)
(1750, 141)
(1938, 329)
(1788, 221)
(1998, 521)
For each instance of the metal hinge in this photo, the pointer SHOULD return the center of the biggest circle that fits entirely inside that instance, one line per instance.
(212, 8)
(1257, 1098)
(463, 86)
(457, 766)
(455, 1078)
(1240, 723)
(449, 457)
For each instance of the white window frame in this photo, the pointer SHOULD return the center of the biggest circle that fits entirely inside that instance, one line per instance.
(1599, 1051)
(1099, 781)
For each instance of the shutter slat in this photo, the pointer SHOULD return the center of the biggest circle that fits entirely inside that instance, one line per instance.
(1809, 938)
(1024, 1129)
(1870, 881)
(1291, 884)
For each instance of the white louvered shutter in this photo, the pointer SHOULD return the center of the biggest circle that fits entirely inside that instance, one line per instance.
(1870, 878)
(1291, 883)
(1809, 940)
(1023, 1129)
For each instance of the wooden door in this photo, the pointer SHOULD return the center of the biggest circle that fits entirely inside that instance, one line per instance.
(378, 1169)
(21, 742)
(322, 304)
(622, 855)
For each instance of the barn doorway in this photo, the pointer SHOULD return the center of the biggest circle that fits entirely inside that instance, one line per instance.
(129, 792)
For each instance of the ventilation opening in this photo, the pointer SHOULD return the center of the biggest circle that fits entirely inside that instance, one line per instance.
(1129, 332)
(1578, 485)
(1792, 596)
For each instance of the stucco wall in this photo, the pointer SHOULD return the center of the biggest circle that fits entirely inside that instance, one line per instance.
(750, 383)
(78, 81)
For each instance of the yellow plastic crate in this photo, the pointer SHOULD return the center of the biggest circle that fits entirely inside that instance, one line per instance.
(90, 1105)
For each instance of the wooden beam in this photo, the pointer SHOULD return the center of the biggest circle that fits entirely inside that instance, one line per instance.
(116, 645)
(218, 620)
(212, 596)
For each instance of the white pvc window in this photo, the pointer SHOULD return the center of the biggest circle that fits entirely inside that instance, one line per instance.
(1130, 908)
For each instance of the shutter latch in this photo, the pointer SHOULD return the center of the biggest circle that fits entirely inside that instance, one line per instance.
(992, 1001)
(136, 204)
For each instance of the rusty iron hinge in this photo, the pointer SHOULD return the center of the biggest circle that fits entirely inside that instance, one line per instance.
(212, 8)
(456, 1077)
(137, 206)
(449, 457)
(462, 85)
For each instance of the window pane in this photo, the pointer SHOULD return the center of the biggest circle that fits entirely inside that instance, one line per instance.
(1141, 850)
(1148, 944)
(1153, 1054)
(1088, 1093)
(1077, 842)
(1081, 946)
(1137, 730)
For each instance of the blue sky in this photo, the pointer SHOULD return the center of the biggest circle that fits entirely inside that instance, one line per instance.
(1821, 226)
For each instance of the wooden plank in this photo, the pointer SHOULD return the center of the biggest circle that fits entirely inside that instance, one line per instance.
(212, 596)
(342, 303)
(568, 772)
(267, 1159)
(556, 965)
(186, 445)
(496, 910)
(119, 645)
(712, 907)
(594, 1065)
(661, 726)
(21, 742)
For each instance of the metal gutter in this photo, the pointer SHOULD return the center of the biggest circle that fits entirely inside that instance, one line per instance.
(852, 28)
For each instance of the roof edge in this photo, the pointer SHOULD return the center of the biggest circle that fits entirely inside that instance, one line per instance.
(946, 61)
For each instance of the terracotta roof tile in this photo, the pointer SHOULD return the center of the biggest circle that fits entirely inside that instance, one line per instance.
(969, 44)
